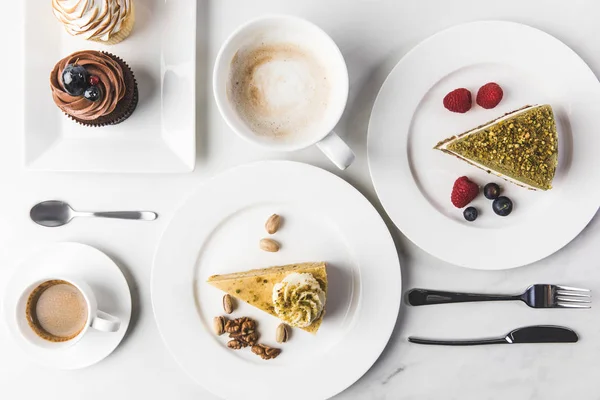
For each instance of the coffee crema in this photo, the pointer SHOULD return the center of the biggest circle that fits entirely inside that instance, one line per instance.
(279, 90)
(56, 311)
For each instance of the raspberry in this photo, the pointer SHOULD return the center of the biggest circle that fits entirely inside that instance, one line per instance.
(93, 80)
(458, 100)
(463, 192)
(489, 95)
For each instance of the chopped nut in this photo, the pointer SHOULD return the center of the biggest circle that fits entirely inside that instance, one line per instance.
(242, 330)
(273, 223)
(248, 327)
(269, 245)
(265, 352)
(235, 344)
(251, 338)
(228, 304)
(258, 350)
(219, 325)
(232, 326)
(272, 352)
(282, 333)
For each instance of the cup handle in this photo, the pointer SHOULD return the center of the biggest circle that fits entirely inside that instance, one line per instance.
(105, 322)
(336, 150)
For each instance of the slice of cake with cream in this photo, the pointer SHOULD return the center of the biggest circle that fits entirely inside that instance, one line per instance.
(294, 293)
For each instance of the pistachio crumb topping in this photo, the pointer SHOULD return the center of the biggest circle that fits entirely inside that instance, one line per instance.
(523, 147)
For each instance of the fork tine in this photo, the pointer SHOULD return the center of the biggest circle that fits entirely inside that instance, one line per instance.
(571, 288)
(573, 294)
(572, 305)
(572, 300)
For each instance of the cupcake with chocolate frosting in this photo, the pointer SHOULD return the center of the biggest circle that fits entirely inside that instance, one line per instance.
(104, 21)
(94, 88)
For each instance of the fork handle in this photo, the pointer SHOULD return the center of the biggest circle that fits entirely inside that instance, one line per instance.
(423, 297)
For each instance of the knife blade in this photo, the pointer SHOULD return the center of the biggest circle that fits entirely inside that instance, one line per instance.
(542, 334)
(528, 334)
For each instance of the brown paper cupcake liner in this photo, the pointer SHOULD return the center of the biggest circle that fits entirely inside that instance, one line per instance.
(125, 107)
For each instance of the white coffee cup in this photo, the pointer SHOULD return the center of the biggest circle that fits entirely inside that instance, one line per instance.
(301, 33)
(96, 319)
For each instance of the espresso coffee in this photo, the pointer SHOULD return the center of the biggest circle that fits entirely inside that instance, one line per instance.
(279, 90)
(56, 311)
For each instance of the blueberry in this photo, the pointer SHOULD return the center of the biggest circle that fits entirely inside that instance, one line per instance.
(93, 93)
(75, 79)
(470, 213)
(502, 206)
(491, 191)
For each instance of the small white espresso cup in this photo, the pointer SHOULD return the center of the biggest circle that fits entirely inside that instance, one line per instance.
(96, 319)
(296, 31)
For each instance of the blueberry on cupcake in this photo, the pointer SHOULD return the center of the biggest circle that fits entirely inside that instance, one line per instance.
(94, 88)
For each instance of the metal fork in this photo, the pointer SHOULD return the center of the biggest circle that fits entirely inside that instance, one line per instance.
(536, 296)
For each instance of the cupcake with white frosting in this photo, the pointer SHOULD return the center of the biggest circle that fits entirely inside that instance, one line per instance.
(104, 21)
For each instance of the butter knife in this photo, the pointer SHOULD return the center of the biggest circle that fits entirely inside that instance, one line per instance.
(529, 334)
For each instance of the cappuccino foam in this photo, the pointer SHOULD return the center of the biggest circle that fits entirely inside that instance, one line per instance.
(57, 311)
(279, 90)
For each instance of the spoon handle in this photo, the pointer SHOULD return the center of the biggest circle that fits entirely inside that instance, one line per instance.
(139, 215)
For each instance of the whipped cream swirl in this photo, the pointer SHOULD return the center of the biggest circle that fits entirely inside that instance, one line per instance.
(298, 299)
(92, 19)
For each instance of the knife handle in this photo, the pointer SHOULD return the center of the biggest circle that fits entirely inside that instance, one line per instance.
(423, 297)
(457, 342)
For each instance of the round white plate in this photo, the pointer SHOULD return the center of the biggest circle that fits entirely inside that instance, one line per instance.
(217, 231)
(414, 181)
(97, 270)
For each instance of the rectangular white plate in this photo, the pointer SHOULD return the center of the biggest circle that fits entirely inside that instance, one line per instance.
(160, 136)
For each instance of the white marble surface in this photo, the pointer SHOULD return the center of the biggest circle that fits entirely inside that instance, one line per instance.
(373, 35)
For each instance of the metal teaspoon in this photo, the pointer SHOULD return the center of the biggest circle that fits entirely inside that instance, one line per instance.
(55, 213)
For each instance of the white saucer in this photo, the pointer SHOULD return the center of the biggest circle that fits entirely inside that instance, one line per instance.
(217, 230)
(414, 182)
(104, 277)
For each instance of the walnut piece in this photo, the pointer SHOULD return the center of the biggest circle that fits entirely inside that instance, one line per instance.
(248, 327)
(232, 326)
(265, 352)
(242, 331)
